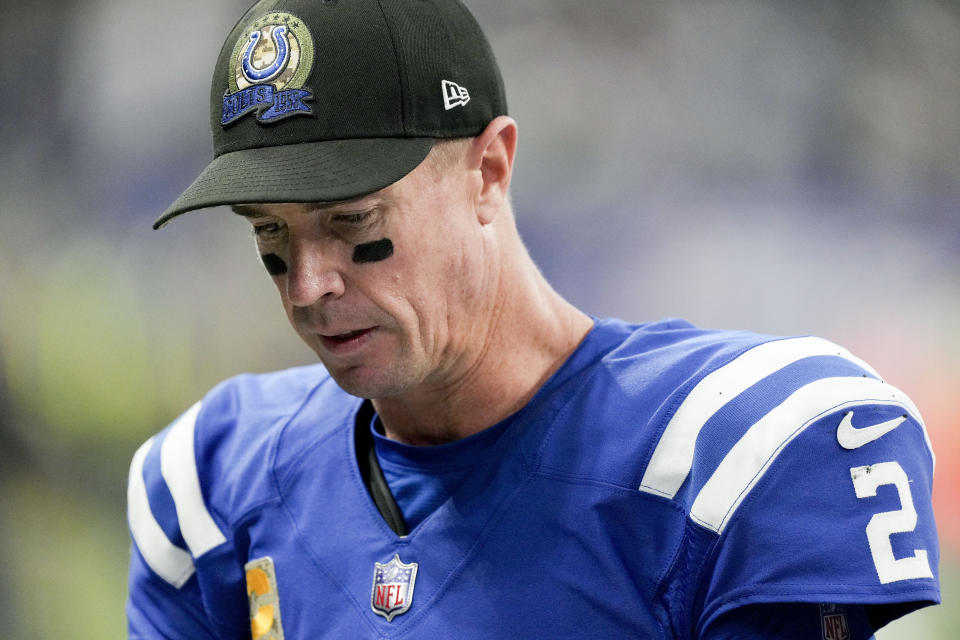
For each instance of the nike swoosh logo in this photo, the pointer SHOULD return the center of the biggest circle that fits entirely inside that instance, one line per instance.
(851, 437)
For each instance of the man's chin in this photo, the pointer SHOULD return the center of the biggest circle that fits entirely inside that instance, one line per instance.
(367, 382)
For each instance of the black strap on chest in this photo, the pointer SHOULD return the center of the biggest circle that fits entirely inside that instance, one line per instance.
(372, 473)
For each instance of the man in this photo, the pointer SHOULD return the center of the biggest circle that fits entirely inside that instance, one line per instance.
(475, 457)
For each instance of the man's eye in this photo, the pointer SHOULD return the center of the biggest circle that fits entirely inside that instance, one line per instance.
(353, 219)
(266, 228)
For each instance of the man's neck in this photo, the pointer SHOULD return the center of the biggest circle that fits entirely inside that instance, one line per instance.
(532, 332)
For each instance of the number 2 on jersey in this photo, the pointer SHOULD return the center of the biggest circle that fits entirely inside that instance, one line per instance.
(883, 525)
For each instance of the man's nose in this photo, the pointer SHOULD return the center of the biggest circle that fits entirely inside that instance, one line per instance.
(313, 272)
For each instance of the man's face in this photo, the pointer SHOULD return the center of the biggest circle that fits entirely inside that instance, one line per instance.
(386, 289)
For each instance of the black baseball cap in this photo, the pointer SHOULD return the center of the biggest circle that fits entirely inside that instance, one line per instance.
(327, 100)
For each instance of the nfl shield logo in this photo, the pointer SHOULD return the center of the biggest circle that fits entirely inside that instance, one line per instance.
(393, 587)
(833, 621)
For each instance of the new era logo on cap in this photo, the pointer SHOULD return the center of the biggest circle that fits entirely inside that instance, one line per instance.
(454, 95)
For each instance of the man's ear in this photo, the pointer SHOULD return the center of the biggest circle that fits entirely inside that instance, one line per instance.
(492, 155)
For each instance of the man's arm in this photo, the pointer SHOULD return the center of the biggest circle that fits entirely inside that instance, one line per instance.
(176, 543)
(841, 515)
(157, 609)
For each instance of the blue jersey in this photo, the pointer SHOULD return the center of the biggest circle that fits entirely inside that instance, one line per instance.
(666, 482)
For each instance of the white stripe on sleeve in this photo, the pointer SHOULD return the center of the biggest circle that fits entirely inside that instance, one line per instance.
(167, 560)
(179, 468)
(673, 457)
(749, 459)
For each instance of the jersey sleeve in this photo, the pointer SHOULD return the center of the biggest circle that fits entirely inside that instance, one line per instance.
(791, 621)
(835, 508)
(173, 533)
(158, 609)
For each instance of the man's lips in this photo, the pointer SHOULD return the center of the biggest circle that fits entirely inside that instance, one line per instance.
(345, 340)
(343, 335)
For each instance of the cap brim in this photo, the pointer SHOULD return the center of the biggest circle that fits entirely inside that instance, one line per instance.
(307, 172)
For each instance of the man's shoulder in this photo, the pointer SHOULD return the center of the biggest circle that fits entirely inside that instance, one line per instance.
(621, 400)
(666, 402)
(648, 371)
(746, 395)
(771, 449)
(265, 394)
(243, 416)
(216, 462)
(674, 346)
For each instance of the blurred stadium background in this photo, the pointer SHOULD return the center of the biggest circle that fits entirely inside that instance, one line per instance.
(788, 167)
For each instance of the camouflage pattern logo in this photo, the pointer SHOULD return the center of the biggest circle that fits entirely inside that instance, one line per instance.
(264, 600)
(393, 584)
(269, 65)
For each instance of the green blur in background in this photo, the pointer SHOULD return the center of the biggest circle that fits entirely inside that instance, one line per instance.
(782, 167)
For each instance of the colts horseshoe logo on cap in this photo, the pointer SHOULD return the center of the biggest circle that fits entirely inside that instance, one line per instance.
(270, 64)
(281, 51)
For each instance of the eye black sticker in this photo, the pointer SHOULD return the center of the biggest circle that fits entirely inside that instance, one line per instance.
(373, 251)
(274, 264)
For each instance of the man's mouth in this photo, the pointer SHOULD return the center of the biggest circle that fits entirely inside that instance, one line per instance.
(345, 339)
